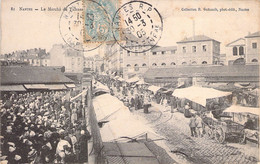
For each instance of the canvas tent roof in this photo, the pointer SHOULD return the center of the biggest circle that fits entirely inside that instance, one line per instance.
(132, 80)
(153, 88)
(98, 87)
(121, 120)
(199, 94)
(70, 85)
(242, 109)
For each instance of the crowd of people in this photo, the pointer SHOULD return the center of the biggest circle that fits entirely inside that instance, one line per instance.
(42, 127)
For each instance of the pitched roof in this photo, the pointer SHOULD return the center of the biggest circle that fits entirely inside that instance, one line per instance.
(256, 34)
(209, 71)
(31, 75)
(235, 41)
(196, 38)
(158, 48)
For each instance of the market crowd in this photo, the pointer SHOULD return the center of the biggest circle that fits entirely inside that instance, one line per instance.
(42, 127)
(138, 96)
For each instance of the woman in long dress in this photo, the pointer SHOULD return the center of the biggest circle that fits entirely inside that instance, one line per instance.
(74, 116)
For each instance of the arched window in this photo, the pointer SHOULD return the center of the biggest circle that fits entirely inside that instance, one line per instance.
(241, 50)
(234, 51)
(144, 65)
(128, 65)
(173, 63)
(254, 60)
(204, 62)
(183, 63)
(194, 62)
(163, 64)
(136, 65)
(154, 64)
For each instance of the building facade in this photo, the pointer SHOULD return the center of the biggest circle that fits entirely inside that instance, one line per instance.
(252, 48)
(244, 50)
(235, 50)
(89, 63)
(62, 55)
(34, 57)
(198, 50)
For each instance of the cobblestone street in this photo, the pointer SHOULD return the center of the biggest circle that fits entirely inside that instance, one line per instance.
(174, 128)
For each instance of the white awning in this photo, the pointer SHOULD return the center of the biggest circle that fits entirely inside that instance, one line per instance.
(35, 86)
(70, 85)
(12, 88)
(132, 80)
(141, 82)
(121, 122)
(56, 86)
(199, 94)
(80, 94)
(120, 79)
(242, 109)
(153, 88)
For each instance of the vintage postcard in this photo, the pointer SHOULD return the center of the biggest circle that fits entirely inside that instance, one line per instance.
(129, 81)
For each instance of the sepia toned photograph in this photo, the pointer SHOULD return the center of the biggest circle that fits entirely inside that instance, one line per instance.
(129, 81)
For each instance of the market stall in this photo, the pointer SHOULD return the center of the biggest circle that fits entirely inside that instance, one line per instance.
(199, 97)
(118, 121)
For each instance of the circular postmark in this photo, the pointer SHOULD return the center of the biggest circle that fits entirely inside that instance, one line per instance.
(84, 25)
(140, 26)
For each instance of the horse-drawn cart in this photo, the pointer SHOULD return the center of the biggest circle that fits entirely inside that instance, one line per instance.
(229, 126)
(223, 128)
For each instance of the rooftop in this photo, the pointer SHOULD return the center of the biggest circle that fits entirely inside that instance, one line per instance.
(209, 71)
(197, 38)
(236, 41)
(31, 75)
(158, 48)
(256, 34)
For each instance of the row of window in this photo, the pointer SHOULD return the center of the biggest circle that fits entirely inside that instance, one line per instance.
(240, 51)
(164, 52)
(164, 64)
(194, 49)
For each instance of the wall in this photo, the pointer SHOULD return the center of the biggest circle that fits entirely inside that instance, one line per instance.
(252, 53)
(199, 56)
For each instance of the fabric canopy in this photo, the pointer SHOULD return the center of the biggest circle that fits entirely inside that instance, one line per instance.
(153, 88)
(100, 87)
(243, 85)
(199, 94)
(141, 82)
(12, 88)
(132, 80)
(120, 79)
(36, 86)
(80, 94)
(70, 85)
(121, 122)
(242, 109)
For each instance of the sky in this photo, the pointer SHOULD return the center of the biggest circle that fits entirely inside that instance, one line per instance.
(23, 30)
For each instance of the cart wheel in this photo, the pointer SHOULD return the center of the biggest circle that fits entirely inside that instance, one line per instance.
(242, 137)
(209, 132)
(219, 135)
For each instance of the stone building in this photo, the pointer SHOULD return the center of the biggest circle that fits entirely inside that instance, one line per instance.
(63, 55)
(198, 50)
(252, 48)
(235, 50)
